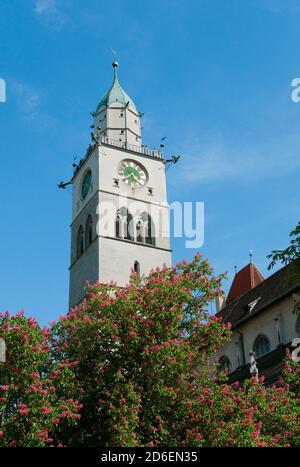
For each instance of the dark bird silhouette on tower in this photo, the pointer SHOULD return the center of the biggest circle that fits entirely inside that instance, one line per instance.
(161, 142)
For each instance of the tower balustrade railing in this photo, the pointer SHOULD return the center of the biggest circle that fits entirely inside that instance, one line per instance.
(123, 145)
(131, 147)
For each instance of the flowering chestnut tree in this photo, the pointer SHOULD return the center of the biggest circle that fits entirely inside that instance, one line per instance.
(144, 368)
(133, 366)
(36, 393)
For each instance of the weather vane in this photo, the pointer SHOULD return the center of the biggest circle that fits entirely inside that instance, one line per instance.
(114, 52)
(172, 161)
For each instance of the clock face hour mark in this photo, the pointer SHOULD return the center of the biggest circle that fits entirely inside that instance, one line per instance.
(133, 173)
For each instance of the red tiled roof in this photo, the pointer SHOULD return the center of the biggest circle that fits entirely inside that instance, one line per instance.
(283, 282)
(245, 280)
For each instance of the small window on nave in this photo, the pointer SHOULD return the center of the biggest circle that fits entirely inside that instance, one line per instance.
(261, 346)
(297, 327)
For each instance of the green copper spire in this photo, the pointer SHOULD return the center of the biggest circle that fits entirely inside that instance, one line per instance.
(115, 93)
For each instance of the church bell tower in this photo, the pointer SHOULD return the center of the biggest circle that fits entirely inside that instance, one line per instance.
(120, 215)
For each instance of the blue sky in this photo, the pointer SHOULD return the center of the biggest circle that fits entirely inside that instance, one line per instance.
(213, 76)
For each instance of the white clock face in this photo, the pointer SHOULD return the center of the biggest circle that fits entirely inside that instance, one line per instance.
(132, 173)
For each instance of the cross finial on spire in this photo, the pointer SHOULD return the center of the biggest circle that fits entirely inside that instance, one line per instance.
(251, 256)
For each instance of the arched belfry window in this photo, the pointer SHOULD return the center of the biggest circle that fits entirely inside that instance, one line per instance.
(89, 231)
(80, 243)
(150, 233)
(140, 231)
(225, 364)
(137, 268)
(261, 346)
(145, 229)
(124, 223)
